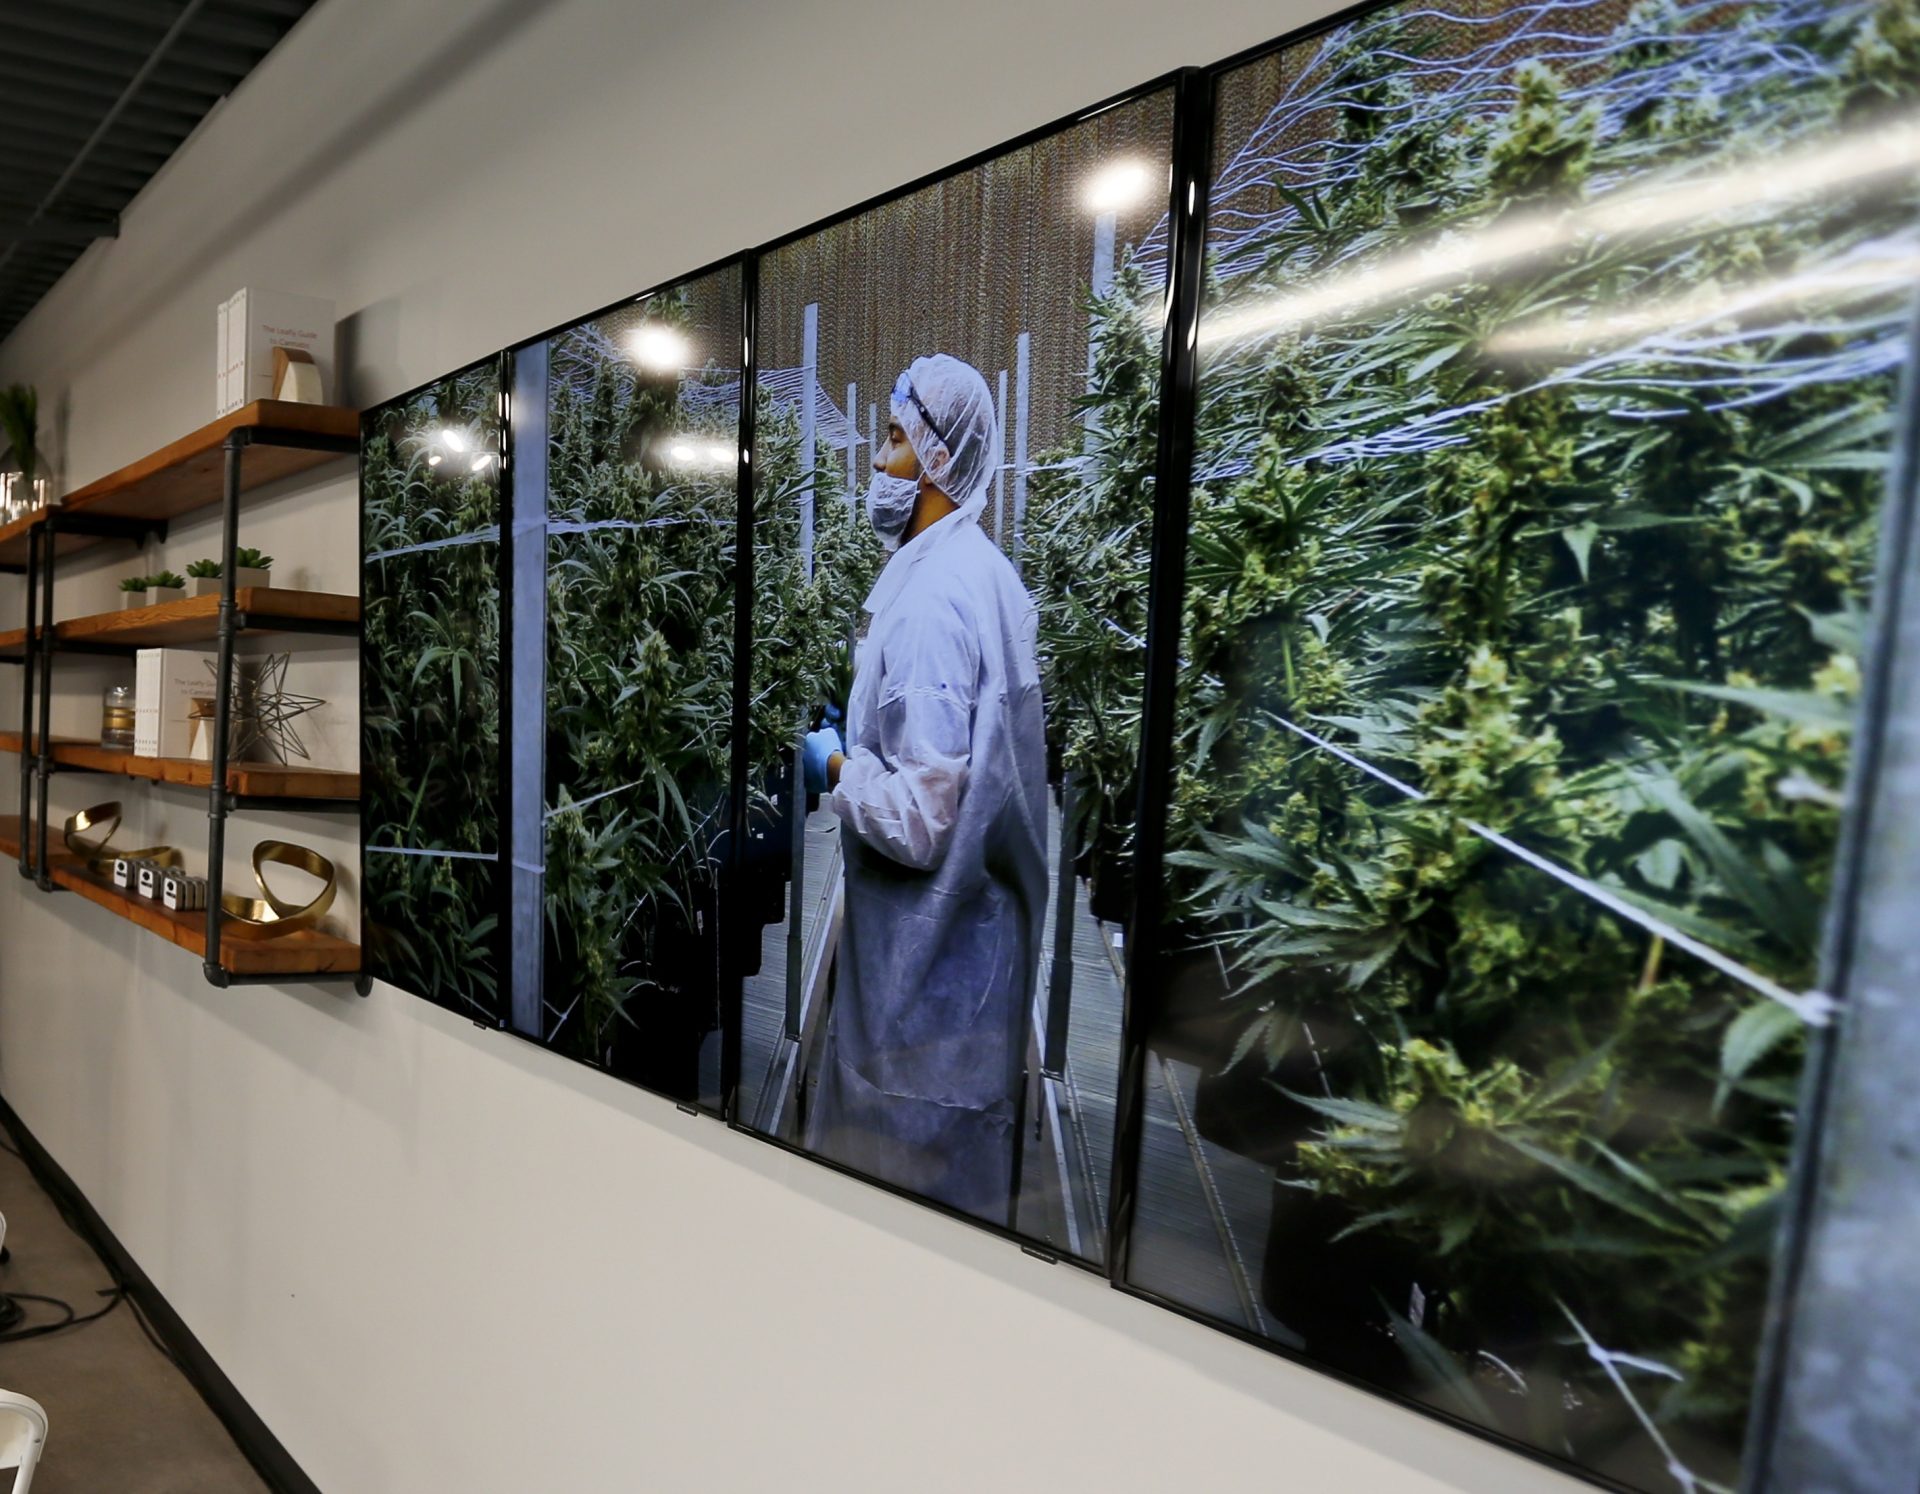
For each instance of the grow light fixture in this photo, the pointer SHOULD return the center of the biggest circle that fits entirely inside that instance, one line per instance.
(660, 349)
(1454, 258)
(1118, 186)
(452, 438)
(482, 461)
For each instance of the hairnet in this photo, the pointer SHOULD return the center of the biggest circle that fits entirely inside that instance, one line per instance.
(946, 410)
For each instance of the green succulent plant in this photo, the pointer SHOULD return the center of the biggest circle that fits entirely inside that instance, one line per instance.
(167, 581)
(134, 584)
(203, 569)
(248, 559)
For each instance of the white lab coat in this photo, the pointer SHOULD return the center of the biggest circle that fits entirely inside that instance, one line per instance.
(942, 797)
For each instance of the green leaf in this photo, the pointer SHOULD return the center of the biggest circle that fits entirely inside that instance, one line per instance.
(1750, 1037)
(1795, 705)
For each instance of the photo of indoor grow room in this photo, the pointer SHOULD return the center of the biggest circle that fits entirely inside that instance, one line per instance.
(1260, 691)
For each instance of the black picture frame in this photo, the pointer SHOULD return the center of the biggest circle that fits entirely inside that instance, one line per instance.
(371, 417)
(1858, 1110)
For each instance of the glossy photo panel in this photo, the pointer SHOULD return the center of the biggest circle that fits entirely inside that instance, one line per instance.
(430, 691)
(623, 680)
(953, 503)
(1547, 368)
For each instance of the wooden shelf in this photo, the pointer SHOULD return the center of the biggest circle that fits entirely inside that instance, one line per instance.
(264, 609)
(306, 953)
(249, 780)
(190, 473)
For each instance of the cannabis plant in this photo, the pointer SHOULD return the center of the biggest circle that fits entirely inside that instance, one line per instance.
(1089, 542)
(641, 606)
(639, 654)
(1522, 637)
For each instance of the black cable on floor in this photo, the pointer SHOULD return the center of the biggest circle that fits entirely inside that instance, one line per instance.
(11, 1314)
(71, 1320)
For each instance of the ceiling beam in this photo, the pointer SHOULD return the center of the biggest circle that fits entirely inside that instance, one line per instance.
(58, 230)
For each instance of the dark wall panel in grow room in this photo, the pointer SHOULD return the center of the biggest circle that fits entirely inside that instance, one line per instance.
(1545, 385)
(430, 690)
(941, 788)
(641, 447)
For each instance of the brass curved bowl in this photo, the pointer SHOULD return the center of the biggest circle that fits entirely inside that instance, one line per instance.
(93, 851)
(78, 825)
(270, 916)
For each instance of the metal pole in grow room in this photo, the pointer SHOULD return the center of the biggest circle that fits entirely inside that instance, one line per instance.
(1000, 462)
(809, 372)
(526, 657)
(1022, 395)
(796, 775)
(853, 445)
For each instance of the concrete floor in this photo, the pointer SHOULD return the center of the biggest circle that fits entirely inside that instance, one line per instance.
(121, 1418)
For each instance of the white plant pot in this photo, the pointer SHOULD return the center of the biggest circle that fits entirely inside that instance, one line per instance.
(243, 576)
(134, 599)
(160, 595)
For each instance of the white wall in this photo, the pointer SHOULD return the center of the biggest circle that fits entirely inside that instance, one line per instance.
(439, 1259)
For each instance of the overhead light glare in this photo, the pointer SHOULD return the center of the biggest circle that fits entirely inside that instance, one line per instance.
(1120, 185)
(660, 349)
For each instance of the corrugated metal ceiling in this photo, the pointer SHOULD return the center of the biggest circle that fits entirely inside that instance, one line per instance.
(95, 95)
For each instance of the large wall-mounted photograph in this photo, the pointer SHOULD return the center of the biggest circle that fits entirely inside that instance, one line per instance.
(625, 461)
(1546, 382)
(953, 507)
(430, 690)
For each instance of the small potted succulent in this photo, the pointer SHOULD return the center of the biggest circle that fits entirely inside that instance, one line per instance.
(168, 586)
(250, 568)
(135, 590)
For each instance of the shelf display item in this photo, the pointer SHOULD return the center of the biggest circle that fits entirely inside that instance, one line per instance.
(1547, 370)
(173, 702)
(117, 717)
(25, 475)
(183, 893)
(87, 832)
(270, 916)
(251, 569)
(948, 618)
(261, 329)
(264, 711)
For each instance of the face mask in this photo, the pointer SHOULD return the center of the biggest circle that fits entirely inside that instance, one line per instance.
(890, 502)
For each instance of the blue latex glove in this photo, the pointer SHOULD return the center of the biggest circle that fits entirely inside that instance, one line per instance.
(819, 746)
